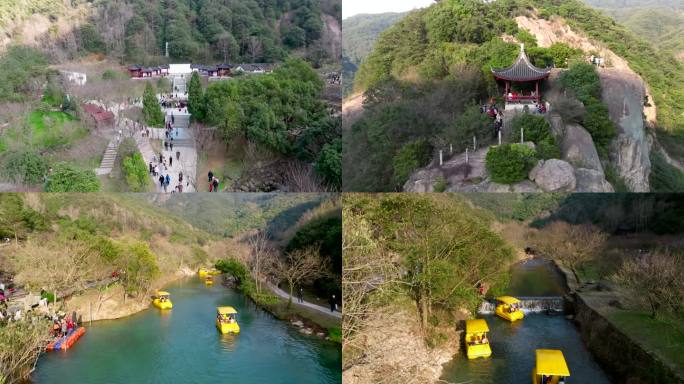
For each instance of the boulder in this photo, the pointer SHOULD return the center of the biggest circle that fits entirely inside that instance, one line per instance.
(578, 149)
(556, 176)
(590, 180)
(533, 173)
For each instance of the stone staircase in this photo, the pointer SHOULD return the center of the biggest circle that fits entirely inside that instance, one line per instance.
(179, 85)
(109, 158)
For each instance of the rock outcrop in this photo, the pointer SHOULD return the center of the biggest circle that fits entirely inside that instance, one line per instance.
(623, 93)
(554, 175)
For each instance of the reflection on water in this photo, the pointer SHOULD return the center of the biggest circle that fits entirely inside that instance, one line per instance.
(535, 277)
(513, 353)
(183, 346)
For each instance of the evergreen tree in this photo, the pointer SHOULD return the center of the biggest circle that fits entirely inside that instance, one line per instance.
(196, 98)
(151, 111)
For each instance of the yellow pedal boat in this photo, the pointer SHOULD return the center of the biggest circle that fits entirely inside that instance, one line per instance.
(208, 280)
(162, 301)
(477, 343)
(507, 307)
(550, 368)
(203, 272)
(226, 320)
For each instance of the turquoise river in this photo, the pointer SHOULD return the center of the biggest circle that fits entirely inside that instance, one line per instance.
(183, 346)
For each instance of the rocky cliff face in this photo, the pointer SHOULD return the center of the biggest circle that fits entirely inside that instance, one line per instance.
(623, 93)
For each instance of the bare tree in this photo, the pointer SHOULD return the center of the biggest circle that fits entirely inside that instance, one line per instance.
(572, 244)
(367, 272)
(300, 177)
(300, 266)
(261, 257)
(654, 278)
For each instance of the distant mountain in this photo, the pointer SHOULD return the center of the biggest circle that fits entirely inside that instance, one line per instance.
(661, 22)
(360, 34)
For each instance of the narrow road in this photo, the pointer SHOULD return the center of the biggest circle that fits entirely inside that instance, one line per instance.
(324, 310)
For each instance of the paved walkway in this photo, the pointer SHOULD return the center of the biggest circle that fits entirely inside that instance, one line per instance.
(186, 163)
(286, 295)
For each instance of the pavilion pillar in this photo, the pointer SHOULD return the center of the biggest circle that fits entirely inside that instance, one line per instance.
(536, 85)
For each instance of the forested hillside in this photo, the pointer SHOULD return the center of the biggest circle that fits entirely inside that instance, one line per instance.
(660, 22)
(136, 31)
(360, 34)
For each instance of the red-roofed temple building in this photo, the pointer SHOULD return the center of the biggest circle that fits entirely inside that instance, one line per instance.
(99, 116)
(518, 79)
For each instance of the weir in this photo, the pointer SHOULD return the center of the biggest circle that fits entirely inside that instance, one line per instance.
(530, 304)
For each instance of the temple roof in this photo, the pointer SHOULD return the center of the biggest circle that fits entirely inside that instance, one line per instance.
(521, 70)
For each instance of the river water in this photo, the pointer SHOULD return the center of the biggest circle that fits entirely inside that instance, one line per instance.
(183, 346)
(514, 344)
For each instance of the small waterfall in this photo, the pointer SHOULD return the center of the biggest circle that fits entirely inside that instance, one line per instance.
(528, 304)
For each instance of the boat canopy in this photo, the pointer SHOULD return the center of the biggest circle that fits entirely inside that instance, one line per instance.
(163, 293)
(508, 300)
(476, 326)
(551, 362)
(226, 310)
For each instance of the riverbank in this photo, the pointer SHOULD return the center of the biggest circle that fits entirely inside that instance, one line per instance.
(110, 303)
(628, 359)
(394, 349)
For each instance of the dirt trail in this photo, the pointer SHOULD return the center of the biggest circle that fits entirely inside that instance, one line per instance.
(332, 35)
(352, 108)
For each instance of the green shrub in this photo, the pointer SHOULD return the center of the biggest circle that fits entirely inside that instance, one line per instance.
(239, 272)
(664, 177)
(111, 74)
(537, 130)
(24, 167)
(583, 80)
(136, 172)
(141, 268)
(329, 164)
(510, 163)
(335, 334)
(440, 185)
(548, 149)
(66, 178)
(107, 249)
(409, 158)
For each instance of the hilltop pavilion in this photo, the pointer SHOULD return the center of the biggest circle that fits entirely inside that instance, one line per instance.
(521, 74)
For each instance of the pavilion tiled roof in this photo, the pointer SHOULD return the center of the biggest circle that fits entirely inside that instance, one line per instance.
(521, 70)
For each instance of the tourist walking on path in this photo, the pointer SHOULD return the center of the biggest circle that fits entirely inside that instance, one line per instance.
(161, 181)
(333, 303)
(170, 161)
(215, 183)
(171, 145)
(210, 176)
(300, 295)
